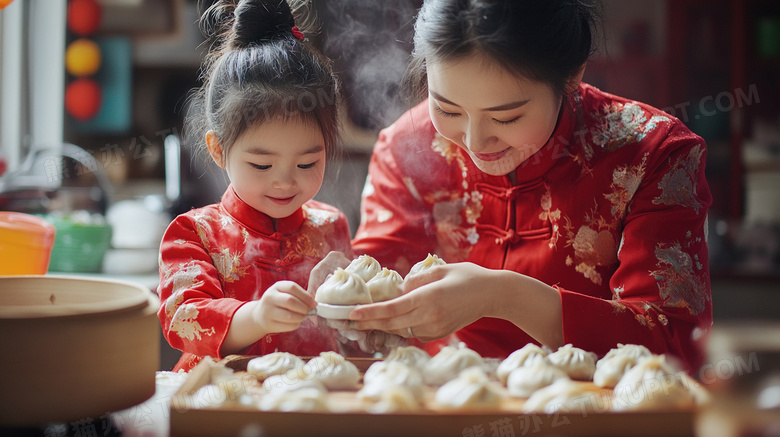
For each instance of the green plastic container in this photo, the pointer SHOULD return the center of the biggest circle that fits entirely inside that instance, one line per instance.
(79, 246)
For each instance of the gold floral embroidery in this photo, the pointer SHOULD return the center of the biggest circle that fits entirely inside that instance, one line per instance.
(593, 244)
(412, 189)
(228, 265)
(678, 186)
(677, 283)
(183, 279)
(444, 147)
(625, 181)
(225, 220)
(319, 217)
(645, 320)
(368, 187)
(185, 323)
(302, 245)
(201, 223)
(452, 208)
(617, 307)
(548, 214)
(623, 124)
(472, 207)
(449, 211)
(383, 215)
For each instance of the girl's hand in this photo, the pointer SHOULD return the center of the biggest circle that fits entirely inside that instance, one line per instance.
(320, 272)
(282, 307)
(436, 303)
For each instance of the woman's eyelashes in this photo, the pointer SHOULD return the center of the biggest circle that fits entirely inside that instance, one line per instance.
(507, 122)
(259, 166)
(455, 114)
(445, 113)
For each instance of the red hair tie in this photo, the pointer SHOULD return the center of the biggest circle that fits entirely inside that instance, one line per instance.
(297, 33)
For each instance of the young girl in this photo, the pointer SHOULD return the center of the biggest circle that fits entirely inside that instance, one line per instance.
(234, 274)
(566, 214)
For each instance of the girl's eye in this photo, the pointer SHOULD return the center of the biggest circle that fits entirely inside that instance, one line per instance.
(507, 122)
(259, 166)
(307, 166)
(445, 113)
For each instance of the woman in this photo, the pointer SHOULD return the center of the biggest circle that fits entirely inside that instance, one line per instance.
(566, 214)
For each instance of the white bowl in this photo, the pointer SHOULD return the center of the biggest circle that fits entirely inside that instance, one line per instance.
(130, 261)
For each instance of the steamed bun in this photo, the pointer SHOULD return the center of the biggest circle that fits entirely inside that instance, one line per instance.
(524, 356)
(576, 362)
(427, 263)
(448, 363)
(364, 266)
(343, 288)
(385, 285)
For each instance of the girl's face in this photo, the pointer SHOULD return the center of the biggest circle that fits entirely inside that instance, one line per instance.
(277, 166)
(500, 119)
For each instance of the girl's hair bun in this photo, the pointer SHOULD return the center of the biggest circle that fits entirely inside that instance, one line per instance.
(258, 21)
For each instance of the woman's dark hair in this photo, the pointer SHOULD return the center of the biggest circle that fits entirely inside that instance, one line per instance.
(258, 70)
(544, 40)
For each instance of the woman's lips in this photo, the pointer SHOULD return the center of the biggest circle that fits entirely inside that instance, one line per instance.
(281, 200)
(491, 156)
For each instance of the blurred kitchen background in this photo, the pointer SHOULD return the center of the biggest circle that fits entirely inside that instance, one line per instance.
(92, 111)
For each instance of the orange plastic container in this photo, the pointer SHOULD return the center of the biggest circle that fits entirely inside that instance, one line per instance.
(25, 244)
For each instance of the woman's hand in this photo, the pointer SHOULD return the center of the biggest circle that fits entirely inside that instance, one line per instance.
(439, 301)
(320, 272)
(436, 303)
(282, 308)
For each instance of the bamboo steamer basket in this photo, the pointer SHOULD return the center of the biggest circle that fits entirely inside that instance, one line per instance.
(74, 348)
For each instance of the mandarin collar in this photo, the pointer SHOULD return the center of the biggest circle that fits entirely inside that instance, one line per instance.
(535, 167)
(257, 220)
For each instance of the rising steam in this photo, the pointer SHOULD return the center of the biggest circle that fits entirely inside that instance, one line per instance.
(369, 42)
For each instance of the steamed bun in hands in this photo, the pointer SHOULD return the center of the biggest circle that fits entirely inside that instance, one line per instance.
(343, 288)
(385, 285)
(427, 263)
(364, 266)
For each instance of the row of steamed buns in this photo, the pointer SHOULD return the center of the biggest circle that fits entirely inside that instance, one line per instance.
(463, 380)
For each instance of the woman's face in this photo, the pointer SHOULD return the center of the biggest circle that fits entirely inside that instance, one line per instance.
(499, 118)
(277, 166)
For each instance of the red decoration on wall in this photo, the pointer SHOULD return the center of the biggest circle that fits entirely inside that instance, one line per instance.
(83, 98)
